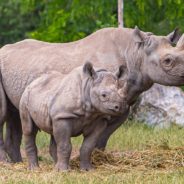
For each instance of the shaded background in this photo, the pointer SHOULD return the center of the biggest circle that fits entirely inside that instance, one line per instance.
(69, 20)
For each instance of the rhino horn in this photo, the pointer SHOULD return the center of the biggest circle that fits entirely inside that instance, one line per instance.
(138, 36)
(174, 36)
(181, 42)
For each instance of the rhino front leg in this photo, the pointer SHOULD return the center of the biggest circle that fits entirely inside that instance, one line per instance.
(62, 136)
(13, 135)
(88, 145)
(110, 129)
(53, 148)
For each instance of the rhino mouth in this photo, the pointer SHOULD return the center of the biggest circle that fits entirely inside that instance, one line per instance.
(176, 74)
(113, 111)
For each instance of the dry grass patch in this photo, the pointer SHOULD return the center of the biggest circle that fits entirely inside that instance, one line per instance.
(111, 167)
(135, 154)
(154, 159)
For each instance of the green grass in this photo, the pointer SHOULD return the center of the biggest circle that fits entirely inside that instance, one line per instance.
(144, 155)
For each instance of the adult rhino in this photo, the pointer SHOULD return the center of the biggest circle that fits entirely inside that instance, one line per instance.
(24, 61)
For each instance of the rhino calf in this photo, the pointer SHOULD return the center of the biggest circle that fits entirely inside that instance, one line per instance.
(80, 103)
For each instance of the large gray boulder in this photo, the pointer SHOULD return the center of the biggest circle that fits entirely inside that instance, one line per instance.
(161, 105)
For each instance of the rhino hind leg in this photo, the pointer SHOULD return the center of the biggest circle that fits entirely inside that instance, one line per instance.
(3, 110)
(31, 149)
(30, 130)
(13, 134)
(53, 148)
(3, 156)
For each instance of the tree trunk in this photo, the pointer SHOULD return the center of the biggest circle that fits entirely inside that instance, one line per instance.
(120, 13)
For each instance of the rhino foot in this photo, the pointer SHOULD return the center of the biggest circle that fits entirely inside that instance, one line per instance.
(3, 156)
(34, 167)
(86, 167)
(62, 167)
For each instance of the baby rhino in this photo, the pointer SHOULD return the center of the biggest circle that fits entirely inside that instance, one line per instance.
(80, 103)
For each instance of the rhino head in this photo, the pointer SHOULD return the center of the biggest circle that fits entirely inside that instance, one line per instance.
(153, 59)
(101, 90)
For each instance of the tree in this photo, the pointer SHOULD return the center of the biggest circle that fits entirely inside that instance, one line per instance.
(69, 20)
(159, 16)
(15, 21)
(120, 13)
(63, 21)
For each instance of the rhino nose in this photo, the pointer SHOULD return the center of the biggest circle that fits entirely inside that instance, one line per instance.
(116, 107)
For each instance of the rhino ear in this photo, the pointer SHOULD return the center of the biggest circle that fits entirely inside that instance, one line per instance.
(122, 70)
(174, 36)
(138, 36)
(89, 70)
(148, 33)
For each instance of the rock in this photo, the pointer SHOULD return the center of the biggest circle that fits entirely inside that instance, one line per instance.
(161, 105)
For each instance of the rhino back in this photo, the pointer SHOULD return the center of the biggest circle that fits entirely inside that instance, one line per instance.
(24, 61)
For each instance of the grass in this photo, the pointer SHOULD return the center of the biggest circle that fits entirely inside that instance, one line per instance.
(135, 154)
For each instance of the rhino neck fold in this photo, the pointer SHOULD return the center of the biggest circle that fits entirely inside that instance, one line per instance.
(137, 82)
(86, 100)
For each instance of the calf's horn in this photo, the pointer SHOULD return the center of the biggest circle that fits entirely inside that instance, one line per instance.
(181, 42)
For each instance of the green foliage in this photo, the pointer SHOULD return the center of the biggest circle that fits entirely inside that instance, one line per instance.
(69, 20)
(15, 22)
(159, 16)
(63, 21)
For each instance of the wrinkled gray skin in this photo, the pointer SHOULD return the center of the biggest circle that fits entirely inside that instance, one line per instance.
(79, 103)
(24, 61)
(144, 68)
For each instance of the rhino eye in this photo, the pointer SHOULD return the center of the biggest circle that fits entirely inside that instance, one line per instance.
(104, 96)
(167, 61)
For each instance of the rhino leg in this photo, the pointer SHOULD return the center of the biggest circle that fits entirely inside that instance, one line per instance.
(53, 149)
(111, 128)
(88, 145)
(31, 149)
(13, 134)
(62, 136)
(3, 110)
(3, 157)
(29, 132)
(103, 138)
